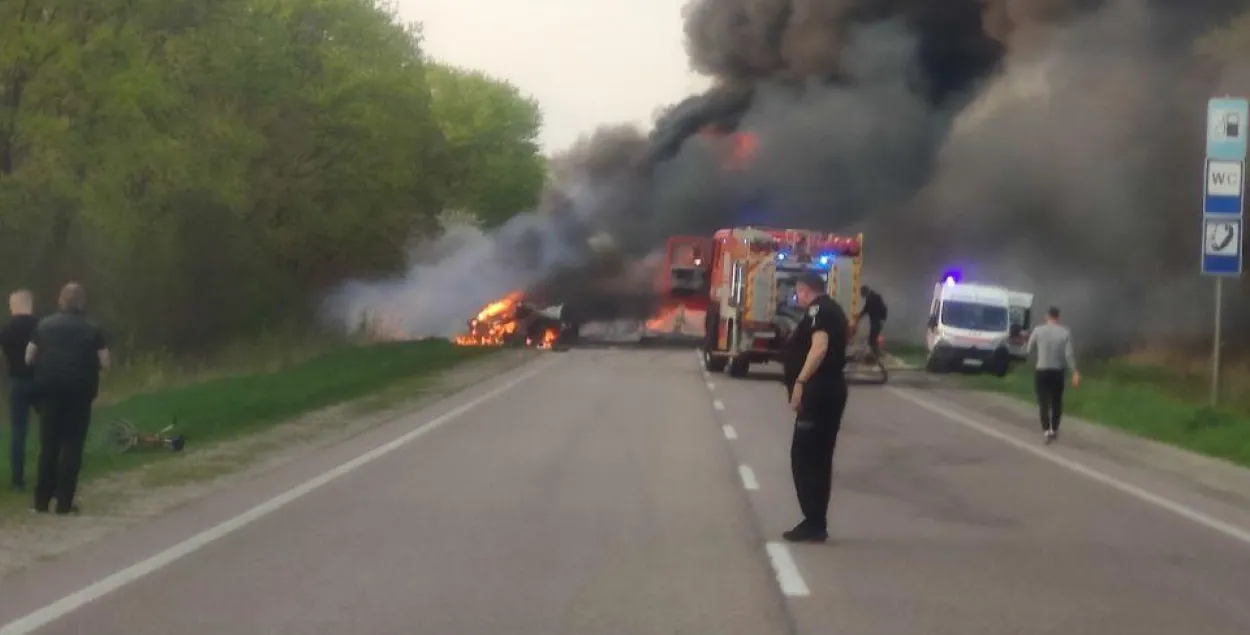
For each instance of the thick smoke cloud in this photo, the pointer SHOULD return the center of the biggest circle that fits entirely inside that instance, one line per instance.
(1044, 144)
(1074, 173)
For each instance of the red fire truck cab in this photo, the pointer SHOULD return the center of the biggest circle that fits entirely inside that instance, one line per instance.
(682, 286)
(751, 296)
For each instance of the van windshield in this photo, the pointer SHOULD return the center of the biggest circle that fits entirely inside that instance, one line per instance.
(974, 317)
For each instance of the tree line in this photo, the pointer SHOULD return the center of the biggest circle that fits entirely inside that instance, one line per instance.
(210, 168)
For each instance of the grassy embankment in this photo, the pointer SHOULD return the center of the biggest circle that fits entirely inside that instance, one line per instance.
(242, 392)
(1166, 403)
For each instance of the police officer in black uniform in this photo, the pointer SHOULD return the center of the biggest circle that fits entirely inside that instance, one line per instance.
(815, 359)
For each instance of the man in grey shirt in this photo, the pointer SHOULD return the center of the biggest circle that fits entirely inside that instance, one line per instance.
(1053, 343)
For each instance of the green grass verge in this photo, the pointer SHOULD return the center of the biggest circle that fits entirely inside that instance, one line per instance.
(1149, 401)
(232, 406)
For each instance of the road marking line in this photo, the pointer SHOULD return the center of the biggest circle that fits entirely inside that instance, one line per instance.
(788, 575)
(730, 433)
(1190, 514)
(711, 386)
(748, 477)
(716, 403)
(119, 579)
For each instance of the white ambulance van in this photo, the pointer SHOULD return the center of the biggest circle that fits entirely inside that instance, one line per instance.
(976, 325)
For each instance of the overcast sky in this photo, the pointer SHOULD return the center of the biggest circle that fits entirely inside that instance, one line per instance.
(587, 62)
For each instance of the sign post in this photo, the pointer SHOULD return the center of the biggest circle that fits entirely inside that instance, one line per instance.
(1223, 202)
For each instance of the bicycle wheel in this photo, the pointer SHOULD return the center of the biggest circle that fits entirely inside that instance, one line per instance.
(117, 436)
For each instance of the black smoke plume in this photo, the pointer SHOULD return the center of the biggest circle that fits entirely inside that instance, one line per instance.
(1052, 145)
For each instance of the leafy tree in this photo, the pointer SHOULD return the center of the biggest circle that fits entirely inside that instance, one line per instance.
(495, 168)
(209, 167)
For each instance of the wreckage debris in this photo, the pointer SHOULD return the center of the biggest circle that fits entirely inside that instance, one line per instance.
(509, 321)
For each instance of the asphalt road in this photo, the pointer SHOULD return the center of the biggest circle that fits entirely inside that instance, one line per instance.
(603, 491)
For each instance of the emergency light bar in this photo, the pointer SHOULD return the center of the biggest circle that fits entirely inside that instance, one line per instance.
(788, 243)
(824, 260)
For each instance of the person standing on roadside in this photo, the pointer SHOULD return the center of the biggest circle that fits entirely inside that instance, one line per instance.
(815, 361)
(68, 351)
(14, 337)
(1055, 358)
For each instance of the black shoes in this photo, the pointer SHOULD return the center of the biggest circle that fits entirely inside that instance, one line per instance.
(806, 533)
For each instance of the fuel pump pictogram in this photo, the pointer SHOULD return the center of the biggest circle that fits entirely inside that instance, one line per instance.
(1232, 125)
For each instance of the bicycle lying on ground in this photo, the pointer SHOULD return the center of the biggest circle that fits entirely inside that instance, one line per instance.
(120, 435)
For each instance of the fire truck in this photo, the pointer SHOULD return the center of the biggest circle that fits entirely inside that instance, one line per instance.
(753, 277)
(682, 287)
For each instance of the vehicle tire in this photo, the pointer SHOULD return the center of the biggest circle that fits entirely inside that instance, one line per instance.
(1000, 363)
(933, 365)
(739, 367)
(714, 363)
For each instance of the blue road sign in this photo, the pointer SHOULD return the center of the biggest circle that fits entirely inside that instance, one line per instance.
(1226, 128)
(1223, 187)
(1221, 247)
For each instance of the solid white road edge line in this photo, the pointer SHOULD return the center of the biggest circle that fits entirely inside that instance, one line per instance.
(711, 386)
(748, 477)
(1192, 515)
(730, 433)
(788, 576)
(716, 403)
(78, 599)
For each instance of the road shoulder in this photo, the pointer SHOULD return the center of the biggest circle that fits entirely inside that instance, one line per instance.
(1214, 477)
(120, 501)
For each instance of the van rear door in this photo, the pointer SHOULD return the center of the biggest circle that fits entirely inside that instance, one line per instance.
(1021, 309)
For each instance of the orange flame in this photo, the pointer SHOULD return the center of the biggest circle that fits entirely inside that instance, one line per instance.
(744, 146)
(493, 324)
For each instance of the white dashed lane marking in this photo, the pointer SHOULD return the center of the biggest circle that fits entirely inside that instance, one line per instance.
(748, 477)
(788, 576)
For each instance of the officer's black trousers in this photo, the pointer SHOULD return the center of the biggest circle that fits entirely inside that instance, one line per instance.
(811, 450)
(63, 419)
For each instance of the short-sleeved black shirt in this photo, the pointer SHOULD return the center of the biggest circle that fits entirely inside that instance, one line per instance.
(824, 314)
(13, 339)
(67, 357)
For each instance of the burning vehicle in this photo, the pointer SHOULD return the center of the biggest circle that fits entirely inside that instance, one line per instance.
(512, 321)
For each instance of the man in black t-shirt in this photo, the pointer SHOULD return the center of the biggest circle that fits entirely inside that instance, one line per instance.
(68, 351)
(875, 310)
(814, 363)
(13, 340)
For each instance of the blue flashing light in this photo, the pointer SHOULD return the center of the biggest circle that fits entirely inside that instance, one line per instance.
(951, 277)
(826, 260)
(782, 255)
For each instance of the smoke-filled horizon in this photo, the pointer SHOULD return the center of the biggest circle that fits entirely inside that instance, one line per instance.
(1049, 145)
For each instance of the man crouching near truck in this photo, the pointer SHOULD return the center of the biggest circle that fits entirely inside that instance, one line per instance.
(1053, 342)
(815, 360)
